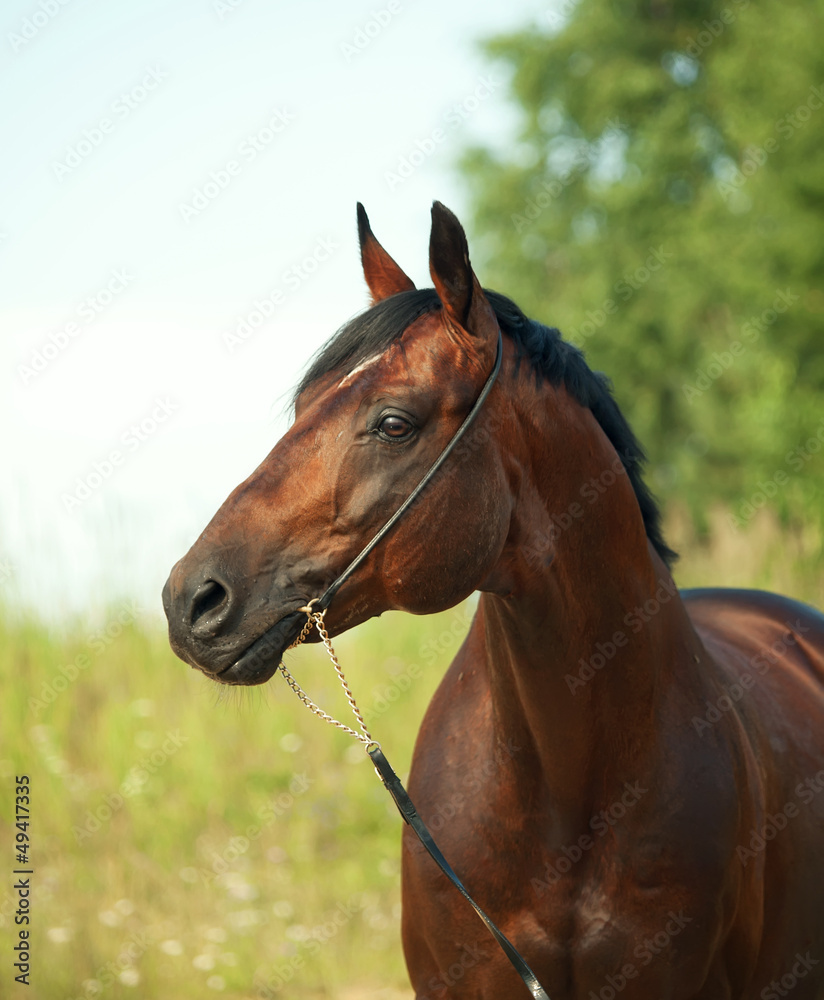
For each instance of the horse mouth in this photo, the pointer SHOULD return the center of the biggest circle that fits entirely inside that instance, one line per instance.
(261, 659)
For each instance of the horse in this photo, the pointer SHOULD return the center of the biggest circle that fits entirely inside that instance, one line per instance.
(628, 777)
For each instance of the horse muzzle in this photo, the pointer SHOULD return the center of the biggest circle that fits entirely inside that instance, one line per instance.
(211, 630)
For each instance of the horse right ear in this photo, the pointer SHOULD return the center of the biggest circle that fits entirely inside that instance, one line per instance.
(465, 307)
(383, 276)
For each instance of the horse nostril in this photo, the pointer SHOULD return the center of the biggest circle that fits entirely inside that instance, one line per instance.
(209, 598)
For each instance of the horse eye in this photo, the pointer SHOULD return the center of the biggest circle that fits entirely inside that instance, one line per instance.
(395, 427)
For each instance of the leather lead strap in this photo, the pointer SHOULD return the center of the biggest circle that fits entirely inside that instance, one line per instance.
(410, 815)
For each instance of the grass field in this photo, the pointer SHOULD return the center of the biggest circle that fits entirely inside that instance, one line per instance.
(187, 843)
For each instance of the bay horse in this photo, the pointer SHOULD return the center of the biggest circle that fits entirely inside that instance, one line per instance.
(628, 778)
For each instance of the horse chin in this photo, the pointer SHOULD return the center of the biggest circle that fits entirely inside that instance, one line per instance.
(260, 660)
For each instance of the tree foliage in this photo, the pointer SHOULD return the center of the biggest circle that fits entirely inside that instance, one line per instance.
(662, 205)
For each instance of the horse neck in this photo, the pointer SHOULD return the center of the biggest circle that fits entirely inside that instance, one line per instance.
(580, 621)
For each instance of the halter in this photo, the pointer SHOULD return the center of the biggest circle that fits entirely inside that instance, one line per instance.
(315, 611)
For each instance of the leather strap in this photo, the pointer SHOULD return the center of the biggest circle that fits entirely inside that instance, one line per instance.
(410, 815)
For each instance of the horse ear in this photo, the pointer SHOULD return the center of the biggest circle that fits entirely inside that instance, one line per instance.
(466, 308)
(383, 276)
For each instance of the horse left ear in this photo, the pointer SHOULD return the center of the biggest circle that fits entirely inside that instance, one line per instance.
(466, 308)
(383, 276)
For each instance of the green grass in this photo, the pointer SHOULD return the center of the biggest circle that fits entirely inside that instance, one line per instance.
(230, 838)
(257, 844)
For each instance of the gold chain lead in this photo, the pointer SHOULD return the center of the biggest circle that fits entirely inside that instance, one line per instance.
(315, 618)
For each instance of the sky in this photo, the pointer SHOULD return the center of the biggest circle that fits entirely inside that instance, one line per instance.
(178, 237)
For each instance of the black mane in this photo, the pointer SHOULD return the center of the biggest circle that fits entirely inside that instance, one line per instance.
(374, 330)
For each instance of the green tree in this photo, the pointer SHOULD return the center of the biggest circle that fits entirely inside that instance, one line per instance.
(662, 205)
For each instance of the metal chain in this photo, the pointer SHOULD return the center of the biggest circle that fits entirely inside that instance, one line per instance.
(315, 619)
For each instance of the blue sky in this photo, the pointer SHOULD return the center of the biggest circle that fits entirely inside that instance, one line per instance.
(174, 173)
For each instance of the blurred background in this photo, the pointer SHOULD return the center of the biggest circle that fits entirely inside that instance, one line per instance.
(177, 235)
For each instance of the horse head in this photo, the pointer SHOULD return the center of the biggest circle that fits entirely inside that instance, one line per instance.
(372, 414)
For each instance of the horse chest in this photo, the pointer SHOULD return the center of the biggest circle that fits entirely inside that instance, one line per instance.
(583, 939)
(604, 915)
